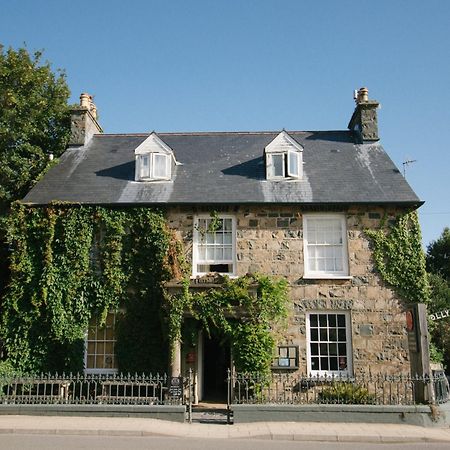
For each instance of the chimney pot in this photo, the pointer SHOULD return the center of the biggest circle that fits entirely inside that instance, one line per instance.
(85, 100)
(363, 95)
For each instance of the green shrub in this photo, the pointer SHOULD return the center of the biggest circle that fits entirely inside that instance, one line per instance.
(346, 393)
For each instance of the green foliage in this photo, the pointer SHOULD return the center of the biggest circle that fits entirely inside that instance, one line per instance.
(400, 259)
(34, 120)
(70, 263)
(346, 393)
(440, 329)
(438, 255)
(261, 302)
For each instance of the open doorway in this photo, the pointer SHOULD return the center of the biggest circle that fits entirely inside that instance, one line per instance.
(216, 361)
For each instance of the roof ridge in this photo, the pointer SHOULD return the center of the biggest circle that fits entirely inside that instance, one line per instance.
(206, 133)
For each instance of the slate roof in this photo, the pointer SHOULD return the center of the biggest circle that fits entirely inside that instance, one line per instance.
(226, 168)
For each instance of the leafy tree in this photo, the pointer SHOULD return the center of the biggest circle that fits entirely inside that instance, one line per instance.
(440, 331)
(438, 255)
(438, 265)
(34, 122)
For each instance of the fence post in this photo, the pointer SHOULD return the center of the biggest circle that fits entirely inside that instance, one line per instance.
(190, 396)
(228, 396)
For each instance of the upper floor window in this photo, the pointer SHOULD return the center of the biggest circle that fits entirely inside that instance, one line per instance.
(214, 245)
(154, 159)
(284, 158)
(325, 246)
(154, 166)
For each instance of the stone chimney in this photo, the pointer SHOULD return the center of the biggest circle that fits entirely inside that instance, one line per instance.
(364, 120)
(83, 121)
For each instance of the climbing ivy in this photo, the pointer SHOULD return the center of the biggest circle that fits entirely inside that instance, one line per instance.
(399, 257)
(70, 263)
(258, 301)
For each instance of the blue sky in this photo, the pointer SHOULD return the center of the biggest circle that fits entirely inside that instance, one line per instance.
(259, 65)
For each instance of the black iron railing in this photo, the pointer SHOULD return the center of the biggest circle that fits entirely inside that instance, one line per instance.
(284, 388)
(143, 389)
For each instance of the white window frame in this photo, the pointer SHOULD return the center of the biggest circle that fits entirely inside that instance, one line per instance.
(197, 237)
(271, 165)
(348, 371)
(290, 172)
(151, 160)
(324, 274)
(86, 341)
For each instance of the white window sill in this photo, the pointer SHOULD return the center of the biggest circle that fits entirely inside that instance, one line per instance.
(327, 277)
(151, 180)
(201, 275)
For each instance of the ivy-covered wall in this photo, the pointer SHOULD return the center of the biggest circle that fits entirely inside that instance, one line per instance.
(72, 262)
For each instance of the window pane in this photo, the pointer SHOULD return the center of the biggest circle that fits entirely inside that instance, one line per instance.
(314, 349)
(314, 363)
(333, 364)
(313, 320)
(278, 165)
(227, 254)
(293, 168)
(333, 334)
(341, 334)
(323, 363)
(314, 334)
(160, 166)
(342, 349)
(145, 166)
(341, 320)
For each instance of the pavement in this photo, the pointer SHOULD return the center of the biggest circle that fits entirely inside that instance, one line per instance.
(292, 431)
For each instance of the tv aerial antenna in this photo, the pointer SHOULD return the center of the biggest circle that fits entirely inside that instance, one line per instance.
(406, 164)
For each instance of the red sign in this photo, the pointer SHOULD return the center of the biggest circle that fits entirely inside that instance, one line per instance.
(409, 321)
(190, 357)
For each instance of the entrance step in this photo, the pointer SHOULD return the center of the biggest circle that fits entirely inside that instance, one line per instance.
(216, 414)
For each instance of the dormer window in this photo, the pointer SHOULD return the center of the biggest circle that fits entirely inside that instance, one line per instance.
(155, 166)
(284, 158)
(154, 160)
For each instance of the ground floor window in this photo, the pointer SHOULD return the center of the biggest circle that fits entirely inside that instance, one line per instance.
(329, 343)
(100, 355)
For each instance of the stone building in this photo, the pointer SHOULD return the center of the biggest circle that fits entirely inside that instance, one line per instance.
(291, 204)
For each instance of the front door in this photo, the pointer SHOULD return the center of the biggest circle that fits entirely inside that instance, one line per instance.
(216, 361)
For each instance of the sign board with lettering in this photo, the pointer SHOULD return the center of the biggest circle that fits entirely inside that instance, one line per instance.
(176, 387)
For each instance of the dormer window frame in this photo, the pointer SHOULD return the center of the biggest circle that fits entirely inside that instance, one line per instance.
(151, 175)
(154, 160)
(290, 151)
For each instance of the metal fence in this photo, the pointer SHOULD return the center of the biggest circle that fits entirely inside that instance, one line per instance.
(365, 389)
(145, 389)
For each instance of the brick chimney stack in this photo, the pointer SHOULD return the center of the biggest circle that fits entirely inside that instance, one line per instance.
(83, 121)
(364, 121)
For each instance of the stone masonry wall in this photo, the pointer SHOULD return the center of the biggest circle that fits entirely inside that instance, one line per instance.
(270, 241)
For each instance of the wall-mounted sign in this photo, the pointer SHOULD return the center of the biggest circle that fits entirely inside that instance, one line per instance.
(190, 357)
(440, 315)
(411, 328)
(176, 387)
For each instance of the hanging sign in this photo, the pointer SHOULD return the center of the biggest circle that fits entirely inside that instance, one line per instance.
(440, 315)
